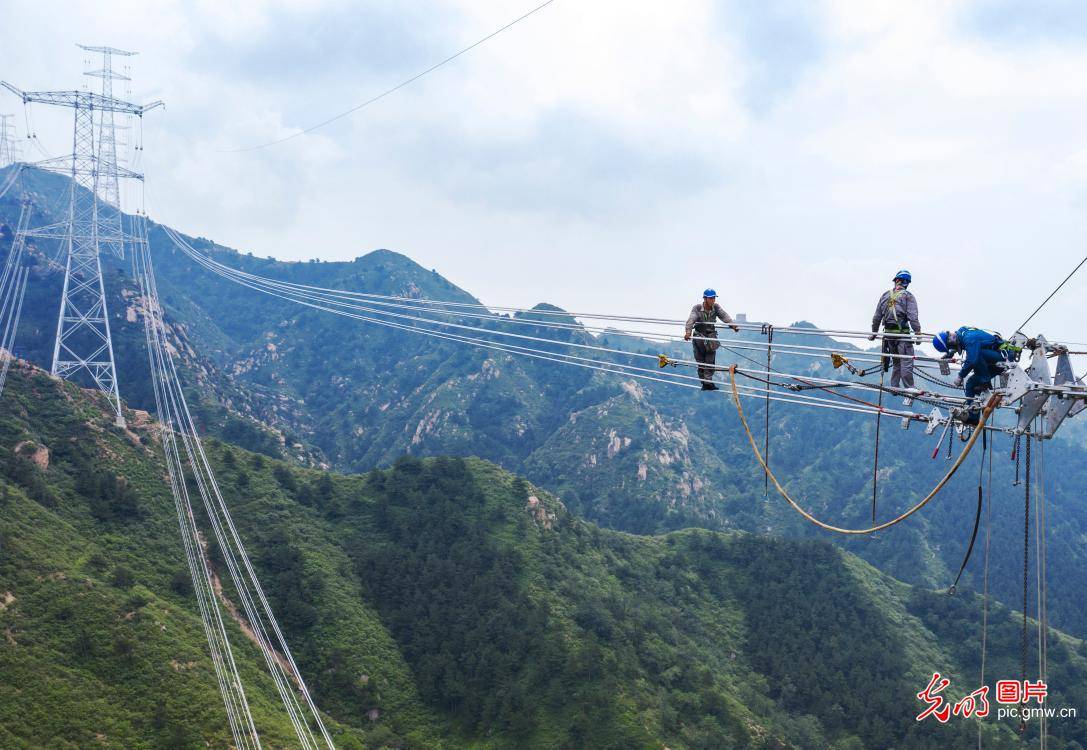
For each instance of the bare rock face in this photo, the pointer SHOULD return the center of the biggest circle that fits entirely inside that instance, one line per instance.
(539, 512)
(31, 451)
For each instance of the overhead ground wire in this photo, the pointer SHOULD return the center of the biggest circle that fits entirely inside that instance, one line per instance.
(395, 88)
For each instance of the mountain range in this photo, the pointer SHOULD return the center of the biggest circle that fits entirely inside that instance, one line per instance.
(309, 393)
(446, 603)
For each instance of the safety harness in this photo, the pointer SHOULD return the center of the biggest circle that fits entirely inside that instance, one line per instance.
(901, 319)
(706, 328)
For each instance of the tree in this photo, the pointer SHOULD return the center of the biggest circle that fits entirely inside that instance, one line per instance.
(123, 577)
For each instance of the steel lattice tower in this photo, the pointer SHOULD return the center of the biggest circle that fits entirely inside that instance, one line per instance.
(83, 349)
(8, 153)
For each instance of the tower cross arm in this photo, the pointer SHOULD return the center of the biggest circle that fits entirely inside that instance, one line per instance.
(107, 50)
(81, 99)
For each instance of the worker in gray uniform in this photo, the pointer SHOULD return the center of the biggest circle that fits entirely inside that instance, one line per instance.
(701, 323)
(897, 313)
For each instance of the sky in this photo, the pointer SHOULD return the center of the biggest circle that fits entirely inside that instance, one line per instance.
(605, 155)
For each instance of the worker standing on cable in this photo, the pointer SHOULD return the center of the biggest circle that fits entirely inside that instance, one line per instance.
(897, 313)
(701, 323)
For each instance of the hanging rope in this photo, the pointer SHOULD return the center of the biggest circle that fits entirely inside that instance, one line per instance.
(977, 517)
(994, 401)
(879, 418)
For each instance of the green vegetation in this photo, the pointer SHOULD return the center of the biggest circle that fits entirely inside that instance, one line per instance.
(325, 391)
(446, 603)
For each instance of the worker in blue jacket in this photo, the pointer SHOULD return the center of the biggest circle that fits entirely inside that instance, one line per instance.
(983, 352)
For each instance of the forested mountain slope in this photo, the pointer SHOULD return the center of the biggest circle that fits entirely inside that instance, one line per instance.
(444, 603)
(632, 455)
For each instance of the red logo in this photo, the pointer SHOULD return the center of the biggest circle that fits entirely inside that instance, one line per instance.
(937, 706)
(976, 704)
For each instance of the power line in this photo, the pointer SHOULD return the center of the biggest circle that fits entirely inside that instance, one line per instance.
(270, 286)
(297, 293)
(178, 424)
(1051, 294)
(491, 310)
(281, 291)
(395, 88)
(335, 298)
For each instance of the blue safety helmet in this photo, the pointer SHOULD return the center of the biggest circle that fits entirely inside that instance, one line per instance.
(904, 275)
(940, 341)
(709, 293)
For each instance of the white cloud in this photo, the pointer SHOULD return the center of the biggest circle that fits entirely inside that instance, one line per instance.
(619, 155)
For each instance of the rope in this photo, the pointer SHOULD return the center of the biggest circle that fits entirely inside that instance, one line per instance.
(989, 407)
(977, 519)
(875, 457)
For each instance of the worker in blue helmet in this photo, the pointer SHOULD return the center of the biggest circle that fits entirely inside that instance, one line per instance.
(701, 331)
(984, 356)
(896, 312)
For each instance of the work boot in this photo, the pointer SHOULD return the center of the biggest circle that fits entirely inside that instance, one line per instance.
(709, 387)
(972, 417)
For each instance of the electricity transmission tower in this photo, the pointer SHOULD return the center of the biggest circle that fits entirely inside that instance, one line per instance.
(8, 151)
(84, 347)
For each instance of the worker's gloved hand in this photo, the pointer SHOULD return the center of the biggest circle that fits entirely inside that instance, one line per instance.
(920, 340)
(958, 382)
(686, 337)
(872, 337)
(735, 328)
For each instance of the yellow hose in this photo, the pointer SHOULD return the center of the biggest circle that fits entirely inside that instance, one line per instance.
(989, 407)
